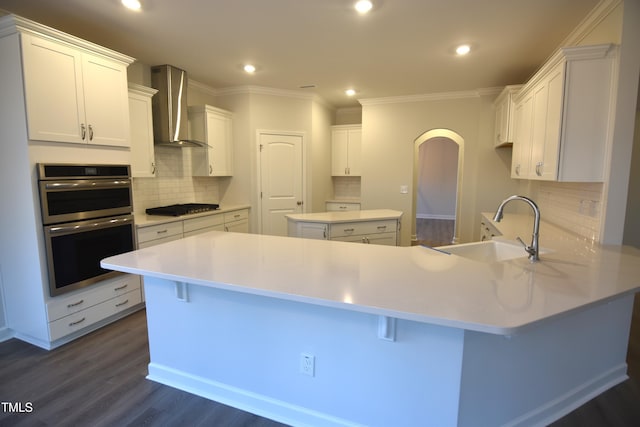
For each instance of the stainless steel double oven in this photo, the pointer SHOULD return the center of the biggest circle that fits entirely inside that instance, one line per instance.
(87, 216)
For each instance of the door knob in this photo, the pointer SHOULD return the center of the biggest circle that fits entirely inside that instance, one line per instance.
(299, 202)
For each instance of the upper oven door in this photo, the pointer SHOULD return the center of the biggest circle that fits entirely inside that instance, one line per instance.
(73, 200)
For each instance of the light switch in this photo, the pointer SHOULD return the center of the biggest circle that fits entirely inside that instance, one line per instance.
(404, 189)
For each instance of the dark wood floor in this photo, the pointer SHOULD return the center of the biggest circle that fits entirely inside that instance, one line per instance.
(99, 380)
(434, 232)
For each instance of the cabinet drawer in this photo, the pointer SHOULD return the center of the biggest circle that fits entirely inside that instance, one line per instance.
(153, 232)
(202, 222)
(219, 227)
(64, 306)
(91, 315)
(236, 216)
(347, 206)
(388, 239)
(362, 227)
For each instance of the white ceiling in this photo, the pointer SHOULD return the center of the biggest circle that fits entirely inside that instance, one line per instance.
(402, 47)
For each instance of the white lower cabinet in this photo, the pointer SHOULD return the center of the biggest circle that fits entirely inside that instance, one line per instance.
(160, 233)
(237, 222)
(487, 230)
(85, 308)
(378, 232)
(382, 232)
(203, 224)
(342, 206)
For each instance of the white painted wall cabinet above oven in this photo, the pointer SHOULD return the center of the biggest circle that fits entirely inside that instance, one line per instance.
(143, 163)
(213, 126)
(346, 148)
(75, 91)
(563, 117)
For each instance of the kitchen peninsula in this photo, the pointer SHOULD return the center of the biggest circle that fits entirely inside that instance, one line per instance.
(316, 332)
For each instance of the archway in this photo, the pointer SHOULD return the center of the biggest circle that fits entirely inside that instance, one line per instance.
(438, 156)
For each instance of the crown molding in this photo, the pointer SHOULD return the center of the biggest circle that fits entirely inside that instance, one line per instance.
(442, 96)
(591, 21)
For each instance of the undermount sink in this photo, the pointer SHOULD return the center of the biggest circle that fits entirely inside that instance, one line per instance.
(487, 251)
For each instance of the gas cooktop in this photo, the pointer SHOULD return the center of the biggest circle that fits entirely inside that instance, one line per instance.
(182, 209)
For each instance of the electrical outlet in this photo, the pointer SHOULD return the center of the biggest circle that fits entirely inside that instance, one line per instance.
(307, 364)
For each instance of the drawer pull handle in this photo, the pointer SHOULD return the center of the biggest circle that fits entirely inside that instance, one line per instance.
(77, 322)
(125, 302)
(382, 227)
(162, 231)
(348, 230)
(74, 304)
(236, 216)
(125, 286)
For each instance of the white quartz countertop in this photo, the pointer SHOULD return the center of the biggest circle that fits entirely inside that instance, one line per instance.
(414, 283)
(144, 220)
(346, 216)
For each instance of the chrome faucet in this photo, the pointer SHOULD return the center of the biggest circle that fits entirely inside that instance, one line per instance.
(532, 249)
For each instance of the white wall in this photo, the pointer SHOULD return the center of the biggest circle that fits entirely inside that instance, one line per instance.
(388, 133)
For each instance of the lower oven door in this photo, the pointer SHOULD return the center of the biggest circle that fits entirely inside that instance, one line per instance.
(74, 250)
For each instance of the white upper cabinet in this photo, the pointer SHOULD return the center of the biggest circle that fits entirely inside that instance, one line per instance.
(212, 126)
(346, 148)
(141, 127)
(505, 114)
(73, 95)
(563, 117)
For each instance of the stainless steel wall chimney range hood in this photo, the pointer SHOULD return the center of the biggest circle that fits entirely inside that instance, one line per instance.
(169, 106)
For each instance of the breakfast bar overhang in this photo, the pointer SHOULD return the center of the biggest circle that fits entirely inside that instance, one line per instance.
(399, 336)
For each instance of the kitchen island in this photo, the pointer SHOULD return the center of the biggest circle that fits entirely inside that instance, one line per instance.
(374, 226)
(316, 332)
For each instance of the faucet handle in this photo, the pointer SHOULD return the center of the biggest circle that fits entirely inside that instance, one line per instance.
(529, 249)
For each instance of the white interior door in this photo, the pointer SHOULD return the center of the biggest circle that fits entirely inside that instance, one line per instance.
(281, 177)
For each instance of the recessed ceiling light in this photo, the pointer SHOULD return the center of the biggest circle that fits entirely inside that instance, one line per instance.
(363, 6)
(132, 4)
(250, 68)
(463, 49)
(350, 92)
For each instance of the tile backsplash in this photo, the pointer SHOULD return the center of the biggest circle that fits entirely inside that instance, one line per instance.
(573, 206)
(173, 182)
(346, 187)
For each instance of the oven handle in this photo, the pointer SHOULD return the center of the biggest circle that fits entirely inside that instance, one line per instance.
(103, 223)
(87, 184)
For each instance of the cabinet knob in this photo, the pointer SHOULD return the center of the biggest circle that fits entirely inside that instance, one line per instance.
(90, 133)
(83, 131)
(518, 170)
(539, 168)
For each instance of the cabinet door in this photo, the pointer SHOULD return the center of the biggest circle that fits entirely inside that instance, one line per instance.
(339, 152)
(212, 126)
(106, 101)
(241, 226)
(547, 114)
(346, 146)
(354, 152)
(522, 139)
(141, 129)
(219, 150)
(53, 90)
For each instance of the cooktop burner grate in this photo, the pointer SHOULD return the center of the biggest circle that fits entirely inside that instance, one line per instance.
(182, 209)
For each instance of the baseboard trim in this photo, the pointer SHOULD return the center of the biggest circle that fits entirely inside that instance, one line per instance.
(244, 400)
(432, 216)
(5, 334)
(573, 399)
